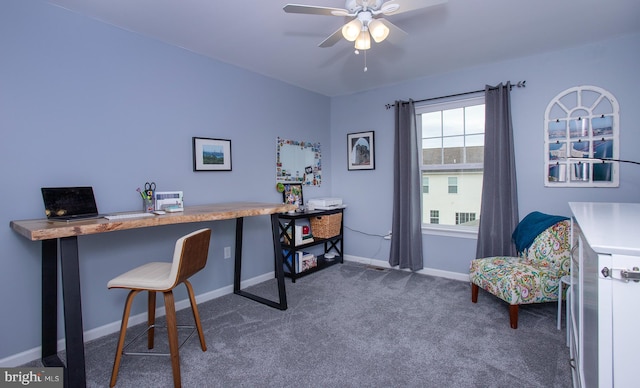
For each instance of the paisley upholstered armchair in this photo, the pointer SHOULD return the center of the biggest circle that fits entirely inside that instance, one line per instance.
(532, 277)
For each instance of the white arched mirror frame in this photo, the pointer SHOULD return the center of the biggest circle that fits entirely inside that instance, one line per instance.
(581, 126)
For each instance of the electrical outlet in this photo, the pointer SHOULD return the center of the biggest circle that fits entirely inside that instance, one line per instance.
(388, 236)
(227, 252)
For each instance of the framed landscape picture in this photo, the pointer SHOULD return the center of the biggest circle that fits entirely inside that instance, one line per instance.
(211, 154)
(361, 151)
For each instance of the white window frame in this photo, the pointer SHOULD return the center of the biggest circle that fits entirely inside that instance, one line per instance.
(460, 231)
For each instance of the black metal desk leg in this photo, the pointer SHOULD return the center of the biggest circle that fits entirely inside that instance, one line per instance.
(277, 254)
(50, 303)
(282, 303)
(72, 312)
(238, 257)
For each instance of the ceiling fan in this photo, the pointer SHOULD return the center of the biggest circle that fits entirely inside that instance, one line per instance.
(367, 22)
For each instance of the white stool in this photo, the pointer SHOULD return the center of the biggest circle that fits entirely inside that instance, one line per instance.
(564, 280)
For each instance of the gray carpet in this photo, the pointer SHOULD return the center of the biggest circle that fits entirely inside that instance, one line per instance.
(355, 326)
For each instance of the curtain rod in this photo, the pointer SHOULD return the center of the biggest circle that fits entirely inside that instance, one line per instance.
(519, 84)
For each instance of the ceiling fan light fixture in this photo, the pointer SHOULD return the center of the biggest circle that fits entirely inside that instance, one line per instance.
(363, 42)
(378, 30)
(352, 30)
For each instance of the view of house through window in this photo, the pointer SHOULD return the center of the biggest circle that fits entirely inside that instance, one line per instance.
(452, 159)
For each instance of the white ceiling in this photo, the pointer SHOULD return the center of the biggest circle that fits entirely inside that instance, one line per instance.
(259, 36)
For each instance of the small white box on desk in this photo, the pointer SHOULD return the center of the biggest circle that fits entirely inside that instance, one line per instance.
(325, 203)
(169, 199)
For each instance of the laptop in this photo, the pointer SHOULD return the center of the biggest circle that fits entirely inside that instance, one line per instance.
(69, 203)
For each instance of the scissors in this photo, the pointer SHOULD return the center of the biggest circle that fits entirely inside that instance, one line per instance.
(150, 188)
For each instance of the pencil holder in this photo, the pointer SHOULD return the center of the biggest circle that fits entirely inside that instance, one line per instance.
(147, 205)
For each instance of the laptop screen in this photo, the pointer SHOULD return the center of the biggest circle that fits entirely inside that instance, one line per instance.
(69, 202)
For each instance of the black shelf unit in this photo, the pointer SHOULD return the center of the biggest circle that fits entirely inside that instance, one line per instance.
(286, 234)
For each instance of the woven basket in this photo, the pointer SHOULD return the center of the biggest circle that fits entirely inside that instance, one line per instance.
(326, 226)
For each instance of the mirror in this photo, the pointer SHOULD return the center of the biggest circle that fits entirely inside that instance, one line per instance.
(298, 162)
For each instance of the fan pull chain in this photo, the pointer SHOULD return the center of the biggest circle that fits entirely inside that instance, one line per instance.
(365, 61)
(357, 52)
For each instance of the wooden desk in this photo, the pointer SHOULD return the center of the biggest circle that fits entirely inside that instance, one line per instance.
(65, 234)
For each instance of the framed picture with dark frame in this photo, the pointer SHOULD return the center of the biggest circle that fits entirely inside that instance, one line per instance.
(211, 154)
(361, 151)
(292, 194)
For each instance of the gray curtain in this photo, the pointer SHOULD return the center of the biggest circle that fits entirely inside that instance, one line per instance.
(406, 228)
(499, 206)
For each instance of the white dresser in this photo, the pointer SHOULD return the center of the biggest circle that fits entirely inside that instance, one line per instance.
(605, 294)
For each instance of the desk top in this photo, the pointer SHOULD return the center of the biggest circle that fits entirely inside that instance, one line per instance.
(42, 229)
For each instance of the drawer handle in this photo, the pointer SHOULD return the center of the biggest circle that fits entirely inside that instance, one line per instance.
(606, 272)
(631, 275)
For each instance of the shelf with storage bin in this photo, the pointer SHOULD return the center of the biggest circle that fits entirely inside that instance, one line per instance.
(326, 227)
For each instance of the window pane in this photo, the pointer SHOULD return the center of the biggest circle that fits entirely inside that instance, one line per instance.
(475, 154)
(431, 124)
(453, 141)
(474, 140)
(432, 143)
(474, 119)
(453, 155)
(432, 156)
(453, 122)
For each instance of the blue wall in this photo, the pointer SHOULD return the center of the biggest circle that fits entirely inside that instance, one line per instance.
(612, 65)
(85, 103)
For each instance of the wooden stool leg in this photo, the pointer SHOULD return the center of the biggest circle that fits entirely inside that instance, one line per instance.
(474, 292)
(172, 329)
(513, 316)
(123, 333)
(196, 315)
(151, 318)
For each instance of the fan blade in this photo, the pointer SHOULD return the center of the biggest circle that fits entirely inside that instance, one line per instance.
(394, 7)
(313, 10)
(396, 34)
(332, 39)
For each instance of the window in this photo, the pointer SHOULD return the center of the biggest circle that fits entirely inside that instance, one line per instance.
(463, 218)
(453, 185)
(434, 217)
(452, 159)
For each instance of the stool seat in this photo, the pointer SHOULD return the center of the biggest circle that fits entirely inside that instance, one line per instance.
(189, 257)
(150, 276)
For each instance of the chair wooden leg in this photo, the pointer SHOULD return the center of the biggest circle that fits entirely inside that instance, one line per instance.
(123, 333)
(151, 318)
(196, 315)
(172, 329)
(513, 316)
(474, 292)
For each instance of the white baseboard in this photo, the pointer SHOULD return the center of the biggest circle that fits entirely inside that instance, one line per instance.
(113, 327)
(464, 277)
